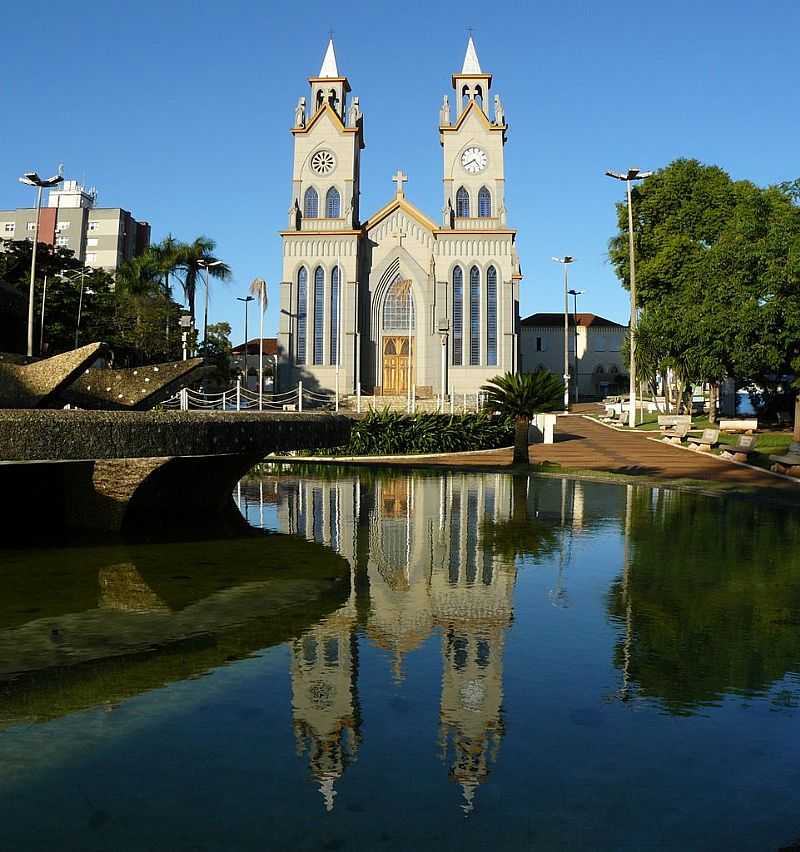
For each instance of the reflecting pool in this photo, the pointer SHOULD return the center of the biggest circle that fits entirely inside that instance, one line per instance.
(395, 660)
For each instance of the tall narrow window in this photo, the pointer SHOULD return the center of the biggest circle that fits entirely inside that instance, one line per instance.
(398, 308)
(484, 202)
(311, 203)
(335, 315)
(462, 203)
(458, 317)
(332, 203)
(319, 313)
(474, 316)
(491, 317)
(302, 309)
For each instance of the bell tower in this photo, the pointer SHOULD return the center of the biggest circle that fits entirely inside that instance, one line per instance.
(473, 142)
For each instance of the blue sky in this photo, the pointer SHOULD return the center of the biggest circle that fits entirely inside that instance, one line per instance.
(179, 112)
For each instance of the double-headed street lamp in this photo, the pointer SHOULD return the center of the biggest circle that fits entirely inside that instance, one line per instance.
(206, 264)
(566, 260)
(33, 179)
(246, 300)
(631, 175)
(575, 294)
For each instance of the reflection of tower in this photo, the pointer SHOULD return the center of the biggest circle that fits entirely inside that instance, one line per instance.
(325, 708)
(399, 567)
(472, 600)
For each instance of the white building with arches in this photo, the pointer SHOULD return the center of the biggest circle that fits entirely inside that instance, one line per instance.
(397, 299)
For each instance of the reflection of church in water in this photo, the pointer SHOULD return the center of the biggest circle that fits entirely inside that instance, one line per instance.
(418, 565)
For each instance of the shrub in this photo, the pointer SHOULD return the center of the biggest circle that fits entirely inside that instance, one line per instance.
(386, 433)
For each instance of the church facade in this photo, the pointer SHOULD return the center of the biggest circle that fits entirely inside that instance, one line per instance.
(398, 300)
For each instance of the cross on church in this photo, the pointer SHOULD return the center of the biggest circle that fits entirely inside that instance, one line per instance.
(399, 178)
(400, 236)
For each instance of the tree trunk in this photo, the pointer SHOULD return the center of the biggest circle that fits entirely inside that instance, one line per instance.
(797, 417)
(713, 401)
(521, 426)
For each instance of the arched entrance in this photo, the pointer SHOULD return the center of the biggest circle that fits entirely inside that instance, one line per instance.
(397, 339)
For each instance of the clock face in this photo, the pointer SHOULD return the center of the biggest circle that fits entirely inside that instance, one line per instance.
(323, 162)
(474, 160)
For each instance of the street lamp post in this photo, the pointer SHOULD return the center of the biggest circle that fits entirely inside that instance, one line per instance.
(631, 175)
(74, 276)
(566, 260)
(33, 179)
(246, 300)
(205, 264)
(575, 294)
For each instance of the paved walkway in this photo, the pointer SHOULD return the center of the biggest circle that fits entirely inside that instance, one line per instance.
(584, 444)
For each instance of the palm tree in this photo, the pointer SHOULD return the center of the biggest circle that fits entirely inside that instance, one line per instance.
(521, 396)
(188, 257)
(166, 254)
(139, 276)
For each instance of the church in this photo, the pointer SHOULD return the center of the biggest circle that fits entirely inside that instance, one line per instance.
(398, 301)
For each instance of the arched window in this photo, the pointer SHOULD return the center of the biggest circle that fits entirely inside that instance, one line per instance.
(484, 202)
(464, 97)
(398, 307)
(302, 308)
(319, 313)
(320, 98)
(311, 203)
(462, 203)
(474, 316)
(332, 203)
(335, 315)
(458, 316)
(491, 316)
(479, 96)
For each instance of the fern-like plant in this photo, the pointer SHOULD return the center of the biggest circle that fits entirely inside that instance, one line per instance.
(520, 396)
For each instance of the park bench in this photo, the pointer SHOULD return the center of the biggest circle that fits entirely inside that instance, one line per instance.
(747, 426)
(703, 443)
(672, 425)
(789, 461)
(677, 435)
(744, 447)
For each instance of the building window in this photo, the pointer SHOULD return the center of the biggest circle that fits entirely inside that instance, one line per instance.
(302, 312)
(8, 227)
(398, 308)
(62, 226)
(62, 242)
(458, 316)
(484, 202)
(474, 316)
(92, 226)
(462, 203)
(31, 226)
(311, 203)
(319, 313)
(91, 257)
(491, 317)
(540, 344)
(335, 315)
(332, 203)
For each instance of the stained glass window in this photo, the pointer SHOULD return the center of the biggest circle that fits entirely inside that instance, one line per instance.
(398, 307)
(332, 203)
(484, 202)
(491, 317)
(319, 313)
(302, 308)
(474, 316)
(311, 203)
(462, 203)
(458, 316)
(335, 315)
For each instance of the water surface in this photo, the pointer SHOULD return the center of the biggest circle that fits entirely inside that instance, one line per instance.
(429, 661)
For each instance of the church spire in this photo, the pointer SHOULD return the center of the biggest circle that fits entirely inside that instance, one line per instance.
(471, 64)
(329, 68)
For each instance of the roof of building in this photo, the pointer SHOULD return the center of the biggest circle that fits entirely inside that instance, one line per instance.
(253, 347)
(329, 67)
(557, 320)
(471, 64)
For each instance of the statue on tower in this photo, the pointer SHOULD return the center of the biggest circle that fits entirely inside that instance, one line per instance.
(444, 112)
(300, 113)
(499, 112)
(354, 113)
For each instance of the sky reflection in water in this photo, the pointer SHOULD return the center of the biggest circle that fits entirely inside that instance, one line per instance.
(514, 663)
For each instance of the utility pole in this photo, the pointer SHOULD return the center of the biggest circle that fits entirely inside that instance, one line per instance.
(565, 261)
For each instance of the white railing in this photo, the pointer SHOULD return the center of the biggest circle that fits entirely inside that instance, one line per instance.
(238, 398)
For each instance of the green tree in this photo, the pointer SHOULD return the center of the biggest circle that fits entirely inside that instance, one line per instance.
(718, 272)
(218, 354)
(188, 262)
(521, 396)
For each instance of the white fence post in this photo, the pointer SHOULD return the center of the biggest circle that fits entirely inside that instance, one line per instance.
(452, 398)
(300, 396)
(336, 406)
(223, 400)
(184, 399)
(238, 394)
(477, 401)
(358, 397)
